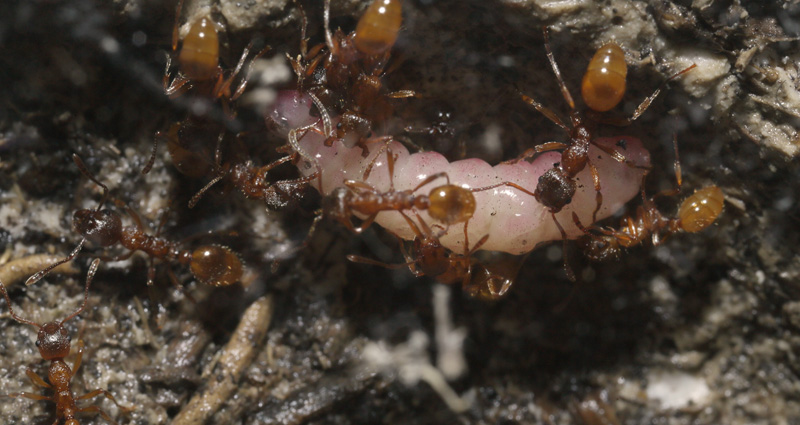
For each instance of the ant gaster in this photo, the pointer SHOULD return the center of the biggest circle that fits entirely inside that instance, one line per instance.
(53, 342)
(211, 264)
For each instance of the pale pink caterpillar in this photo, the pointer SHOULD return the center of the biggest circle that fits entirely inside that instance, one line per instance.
(515, 222)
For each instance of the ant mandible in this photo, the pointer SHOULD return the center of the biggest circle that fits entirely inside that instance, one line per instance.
(53, 342)
(696, 213)
(211, 264)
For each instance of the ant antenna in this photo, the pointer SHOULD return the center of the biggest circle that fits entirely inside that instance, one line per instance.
(85, 171)
(11, 309)
(89, 278)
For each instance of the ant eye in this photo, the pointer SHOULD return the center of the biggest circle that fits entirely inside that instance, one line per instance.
(38, 343)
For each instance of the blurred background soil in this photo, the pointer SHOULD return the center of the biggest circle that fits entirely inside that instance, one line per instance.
(700, 330)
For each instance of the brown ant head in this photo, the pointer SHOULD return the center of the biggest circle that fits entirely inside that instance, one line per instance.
(701, 209)
(216, 265)
(100, 227)
(432, 257)
(53, 341)
(599, 248)
(555, 189)
(451, 204)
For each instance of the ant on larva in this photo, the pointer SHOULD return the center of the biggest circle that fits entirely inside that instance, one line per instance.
(53, 342)
(603, 87)
(211, 264)
(349, 74)
(696, 213)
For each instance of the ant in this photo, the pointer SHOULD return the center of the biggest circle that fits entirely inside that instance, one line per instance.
(252, 181)
(428, 257)
(211, 264)
(199, 68)
(198, 62)
(449, 204)
(350, 72)
(53, 342)
(602, 88)
(696, 213)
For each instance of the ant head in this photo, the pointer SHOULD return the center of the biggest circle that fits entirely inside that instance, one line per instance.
(599, 248)
(100, 227)
(555, 189)
(53, 340)
(432, 257)
(451, 204)
(215, 265)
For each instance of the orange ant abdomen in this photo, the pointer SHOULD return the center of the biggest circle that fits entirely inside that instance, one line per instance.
(604, 82)
(451, 204)
(378, 27)
(199, 56)
(701, 209)
(215, 265)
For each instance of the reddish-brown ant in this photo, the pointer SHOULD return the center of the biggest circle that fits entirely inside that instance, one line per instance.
(448, 204)
(211, 264)
(252, 180)
(199, 69)
(53, 342)
(350, 73)
(696, 212)
(603, 87)
(198, 62)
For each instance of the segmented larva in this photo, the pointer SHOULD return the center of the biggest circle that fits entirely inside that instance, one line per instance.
(515, 222)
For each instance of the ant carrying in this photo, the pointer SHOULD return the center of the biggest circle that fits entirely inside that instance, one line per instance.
(602, 88)
(696, 213)
(53, 342)
(211, 264)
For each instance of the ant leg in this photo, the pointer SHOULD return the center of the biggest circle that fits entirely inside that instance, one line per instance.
(243, 84)
(78, 359)
(509, 184)
(364, 260)
(567, 268)
(365, 224)
(547, 112)
(597, 194)
(531, 152)
(561, 83)
(152, 160)
(431, 178)
(99, 411)
(32, 396)
(37, 380)
(389, 159)
(107, 394)
(678, 175)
